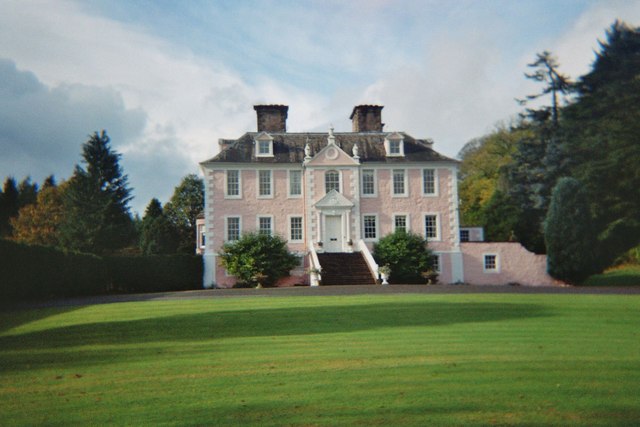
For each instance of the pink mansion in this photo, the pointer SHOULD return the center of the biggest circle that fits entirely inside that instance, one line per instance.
(333, 195)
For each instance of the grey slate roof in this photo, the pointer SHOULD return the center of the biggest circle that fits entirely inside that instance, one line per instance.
(289, 148)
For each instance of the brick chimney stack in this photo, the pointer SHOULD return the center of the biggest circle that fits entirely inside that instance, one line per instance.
(367, 118)
(272, 118)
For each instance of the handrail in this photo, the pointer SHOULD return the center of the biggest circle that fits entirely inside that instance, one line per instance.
(315, 265)
(371, 263)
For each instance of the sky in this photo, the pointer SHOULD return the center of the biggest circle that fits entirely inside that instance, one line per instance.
(167, 79)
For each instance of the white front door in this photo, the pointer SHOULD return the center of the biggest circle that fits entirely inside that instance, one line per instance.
(333, 233)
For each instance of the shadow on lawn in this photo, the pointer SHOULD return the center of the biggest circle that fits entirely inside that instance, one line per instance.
(216, 325)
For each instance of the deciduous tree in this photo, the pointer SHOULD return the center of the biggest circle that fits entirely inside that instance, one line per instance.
(39, 223)
(186, 203)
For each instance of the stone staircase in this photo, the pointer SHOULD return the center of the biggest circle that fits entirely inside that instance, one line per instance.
(345, 269)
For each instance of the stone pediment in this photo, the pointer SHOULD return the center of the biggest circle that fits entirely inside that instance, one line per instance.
(334, 200)
(332, 155)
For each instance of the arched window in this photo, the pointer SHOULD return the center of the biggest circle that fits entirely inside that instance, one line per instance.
(332, 181)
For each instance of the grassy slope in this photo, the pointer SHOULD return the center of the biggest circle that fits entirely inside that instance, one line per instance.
(626, 275)
(364, 360)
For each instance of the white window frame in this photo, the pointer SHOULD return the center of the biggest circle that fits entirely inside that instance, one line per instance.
(375, 183)
(468, 233)
(261, 140)
(438, 236)
(226, 184)
(226, 227)
(438, 257)
(258, 183)
(405, 183)
(496, 261)
(202, 236)
(387, 147)
(289, 219)
(271, 222)
(407, 219)
(289, 181)
(377, 227)
(435, 183)
(339, 180)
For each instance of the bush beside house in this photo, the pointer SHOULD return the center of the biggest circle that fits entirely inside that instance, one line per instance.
(407, 256)
(258, 259)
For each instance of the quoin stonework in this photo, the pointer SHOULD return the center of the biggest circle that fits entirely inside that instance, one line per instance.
(332, 195)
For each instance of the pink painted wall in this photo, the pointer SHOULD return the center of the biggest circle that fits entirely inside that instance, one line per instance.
(415, 204)
(516, 265)
(248, 208)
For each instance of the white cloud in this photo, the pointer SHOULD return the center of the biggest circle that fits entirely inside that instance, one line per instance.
(442, 70)
(189, 102)
(42, 128)
(575, 49)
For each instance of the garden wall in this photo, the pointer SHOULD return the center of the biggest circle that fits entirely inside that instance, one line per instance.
(514, 265)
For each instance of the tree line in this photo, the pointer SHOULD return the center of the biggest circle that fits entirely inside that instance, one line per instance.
(564, 178)
(90, 211)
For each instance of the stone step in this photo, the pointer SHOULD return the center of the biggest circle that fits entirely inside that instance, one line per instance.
(345, 269)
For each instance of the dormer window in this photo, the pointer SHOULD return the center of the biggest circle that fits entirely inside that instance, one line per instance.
(394, 145)
(264, 145)
(394, 148)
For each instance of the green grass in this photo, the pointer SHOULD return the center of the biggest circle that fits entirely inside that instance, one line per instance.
(358, 360)
(626, 275)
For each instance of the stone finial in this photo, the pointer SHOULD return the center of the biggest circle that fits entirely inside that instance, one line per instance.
(355, 152)
(332, 139)
(307, 152)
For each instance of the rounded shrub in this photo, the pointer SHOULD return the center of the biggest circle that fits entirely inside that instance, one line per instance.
(258, 259)
(406, 254)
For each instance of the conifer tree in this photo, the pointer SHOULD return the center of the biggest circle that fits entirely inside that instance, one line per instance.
(158, 235)
(569, 233)
(9, 205)
(602, 128)
(97, 218)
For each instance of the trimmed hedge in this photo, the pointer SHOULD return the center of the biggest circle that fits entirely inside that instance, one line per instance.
(155, 273)
(36, 272)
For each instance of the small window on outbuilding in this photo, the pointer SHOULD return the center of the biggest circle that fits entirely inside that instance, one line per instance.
(491, 263)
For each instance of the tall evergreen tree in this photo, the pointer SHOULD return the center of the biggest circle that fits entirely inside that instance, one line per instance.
(538, 162)
(556, 84)
(569, 233)
(28, 192)
(158, 235)
(49, 181)
(602, 128)
(96, 202)
(9, 205)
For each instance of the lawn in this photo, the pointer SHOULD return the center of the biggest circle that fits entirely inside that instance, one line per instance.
(358, 360)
